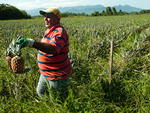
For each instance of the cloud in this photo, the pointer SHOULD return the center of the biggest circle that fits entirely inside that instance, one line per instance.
(32, 4)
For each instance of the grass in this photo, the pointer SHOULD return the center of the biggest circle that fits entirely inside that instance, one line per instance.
(89, 91)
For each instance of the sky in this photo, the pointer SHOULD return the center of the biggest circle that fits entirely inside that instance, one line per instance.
(32, 4)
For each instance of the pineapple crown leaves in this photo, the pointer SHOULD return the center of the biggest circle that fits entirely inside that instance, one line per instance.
(13, 48)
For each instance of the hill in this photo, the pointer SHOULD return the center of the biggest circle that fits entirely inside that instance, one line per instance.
(87, 9)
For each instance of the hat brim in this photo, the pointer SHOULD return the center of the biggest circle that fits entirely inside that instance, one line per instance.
(43, 12)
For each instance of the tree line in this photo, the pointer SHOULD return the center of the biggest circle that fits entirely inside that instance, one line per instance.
(67, 14)
(112, 11)
(10, 12)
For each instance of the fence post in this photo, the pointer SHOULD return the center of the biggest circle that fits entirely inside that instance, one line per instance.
(111, 60)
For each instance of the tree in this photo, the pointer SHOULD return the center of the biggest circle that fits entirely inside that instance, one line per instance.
(10, 12)
(120, 12)
(144, 11)
(96, 13)
(114, 11)
(103, 13)
(67, 14)
(109, 11)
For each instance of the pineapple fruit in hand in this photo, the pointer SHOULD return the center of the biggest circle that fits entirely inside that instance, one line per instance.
(17, 64)
(8, 61)
(13, 58)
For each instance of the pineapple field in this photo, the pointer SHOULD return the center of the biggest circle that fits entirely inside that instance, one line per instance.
(102, 81)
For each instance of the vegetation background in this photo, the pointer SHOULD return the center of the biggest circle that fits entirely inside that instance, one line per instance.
(89, 90)
(10, 12)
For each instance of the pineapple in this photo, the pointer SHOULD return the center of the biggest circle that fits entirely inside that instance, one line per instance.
(13, 57)
(8, 61)
(17, 64)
